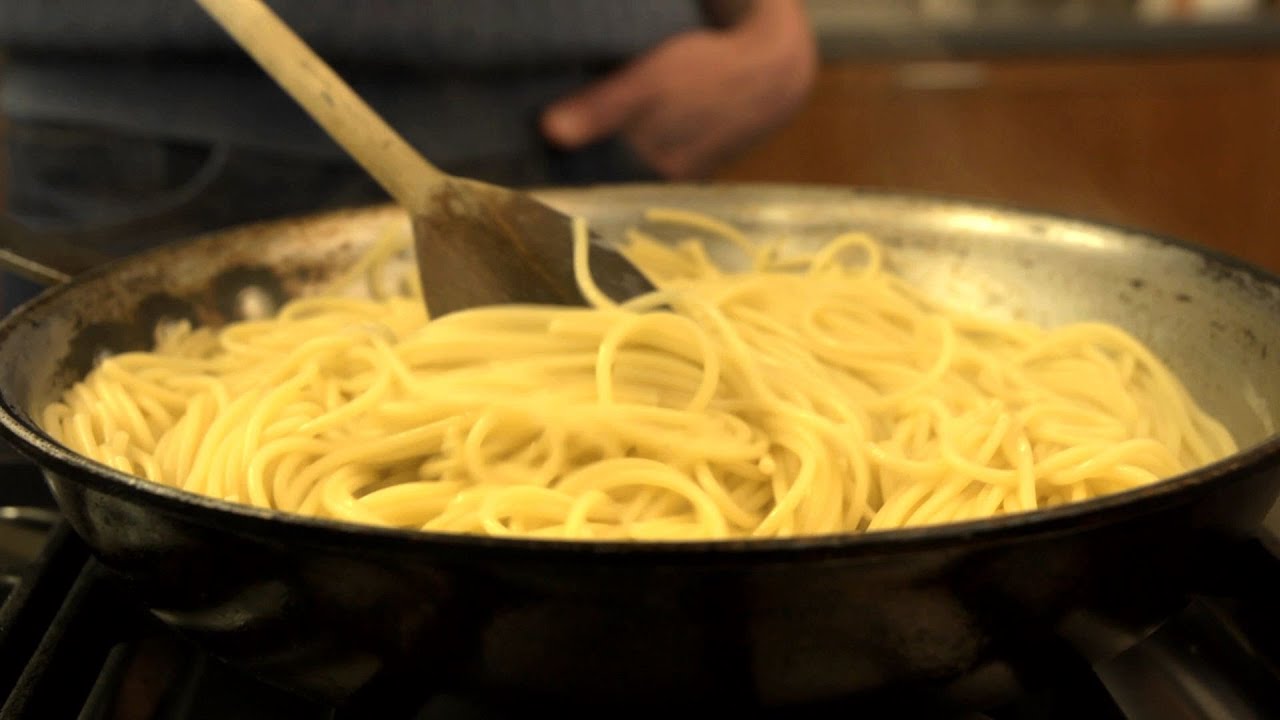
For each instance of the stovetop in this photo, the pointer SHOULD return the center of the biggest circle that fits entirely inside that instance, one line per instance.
(74, 645)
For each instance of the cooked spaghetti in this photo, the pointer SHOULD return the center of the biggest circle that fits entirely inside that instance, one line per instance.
(810, 394)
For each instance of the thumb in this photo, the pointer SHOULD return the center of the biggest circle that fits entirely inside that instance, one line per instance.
(598, 111)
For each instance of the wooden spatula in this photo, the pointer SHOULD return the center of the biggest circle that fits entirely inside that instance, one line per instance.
(477, 243)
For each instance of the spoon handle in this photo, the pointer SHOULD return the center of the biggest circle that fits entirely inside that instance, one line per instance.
(395, 164)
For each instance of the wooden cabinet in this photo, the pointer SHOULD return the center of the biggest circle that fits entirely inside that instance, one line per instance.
(1184, 146)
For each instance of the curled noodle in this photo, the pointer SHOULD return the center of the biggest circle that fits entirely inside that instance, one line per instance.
(808, 395)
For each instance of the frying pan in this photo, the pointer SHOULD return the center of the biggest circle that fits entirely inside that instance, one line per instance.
(937, 617)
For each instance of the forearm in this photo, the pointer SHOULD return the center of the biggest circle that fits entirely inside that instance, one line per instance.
(782, 17)
(700, 97)
(726, 13)
(771, 28)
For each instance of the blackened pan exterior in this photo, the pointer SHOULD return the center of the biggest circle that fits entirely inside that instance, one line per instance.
(349, 614)
(333, 612)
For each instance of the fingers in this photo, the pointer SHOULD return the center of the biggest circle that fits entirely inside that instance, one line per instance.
(679, 146)
(601, 110)
(689, 104)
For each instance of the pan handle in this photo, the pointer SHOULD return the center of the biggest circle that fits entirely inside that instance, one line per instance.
(45, 258)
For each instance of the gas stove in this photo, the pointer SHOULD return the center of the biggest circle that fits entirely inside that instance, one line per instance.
(74, 644)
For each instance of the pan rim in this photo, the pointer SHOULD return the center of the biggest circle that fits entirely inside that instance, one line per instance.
(51, 456)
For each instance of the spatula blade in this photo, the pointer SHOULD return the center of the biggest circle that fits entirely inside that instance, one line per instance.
(483, 244)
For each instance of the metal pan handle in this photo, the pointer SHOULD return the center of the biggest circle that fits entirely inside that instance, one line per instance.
(45, 258)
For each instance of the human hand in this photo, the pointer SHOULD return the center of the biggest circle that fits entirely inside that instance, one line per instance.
(701, 97)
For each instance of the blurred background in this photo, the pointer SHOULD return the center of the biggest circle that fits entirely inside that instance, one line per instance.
(1162, 114)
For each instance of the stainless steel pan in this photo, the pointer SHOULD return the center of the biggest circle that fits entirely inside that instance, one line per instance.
(919, 619)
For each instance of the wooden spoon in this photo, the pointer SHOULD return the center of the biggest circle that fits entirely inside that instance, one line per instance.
(476, 243)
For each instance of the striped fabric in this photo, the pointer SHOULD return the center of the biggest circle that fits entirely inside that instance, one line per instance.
(461, 79)
(436, 33)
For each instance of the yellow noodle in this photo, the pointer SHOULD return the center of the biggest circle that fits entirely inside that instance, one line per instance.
(813, 393)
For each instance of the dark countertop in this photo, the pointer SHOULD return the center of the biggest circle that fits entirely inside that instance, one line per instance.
(850, 38)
